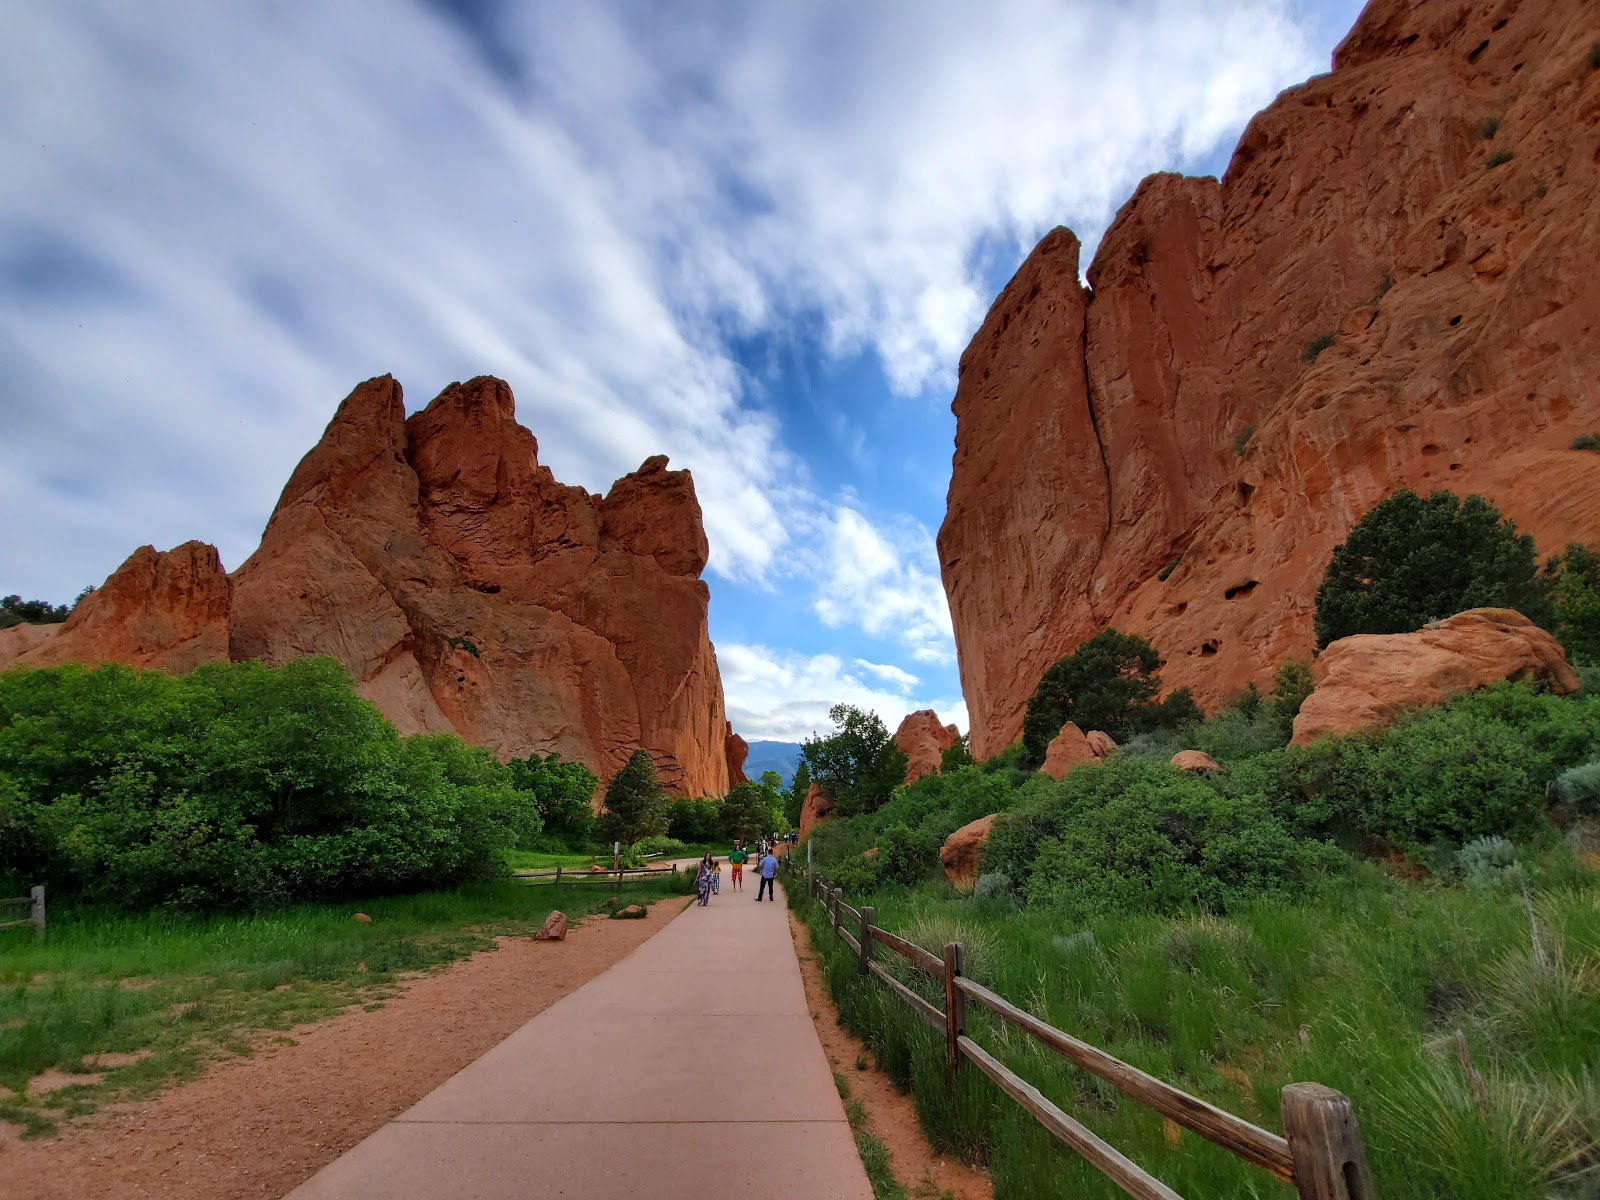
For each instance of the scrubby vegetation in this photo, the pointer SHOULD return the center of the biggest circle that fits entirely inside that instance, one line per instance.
(859, 762)
(1108, 683)
(14, 610)
(1333, 913)
(1315, 347)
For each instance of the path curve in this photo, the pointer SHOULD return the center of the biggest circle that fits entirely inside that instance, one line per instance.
(690, 1068)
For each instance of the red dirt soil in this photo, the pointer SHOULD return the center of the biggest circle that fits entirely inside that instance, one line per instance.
(255, 1128)
(891, 1114)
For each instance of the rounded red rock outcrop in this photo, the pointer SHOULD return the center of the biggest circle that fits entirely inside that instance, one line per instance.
(924, 740)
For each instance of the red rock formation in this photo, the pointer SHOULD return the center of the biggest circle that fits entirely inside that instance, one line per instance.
(961, 850)
(736, 750)
(1370, 679)
(465, 588)
(166, 610)
(19, 639)
(923, 741)
(817, 807)
(1195, 760)
(1068, 749)
(1361, 303)
(1103, 745)
(461, 585)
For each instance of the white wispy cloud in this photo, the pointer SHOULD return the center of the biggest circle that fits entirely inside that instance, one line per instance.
(784, 696)
(880, 578)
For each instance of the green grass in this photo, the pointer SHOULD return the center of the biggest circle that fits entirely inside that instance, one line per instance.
(184, 990)
(539, 860)
(1361, 989)
(874, 1154)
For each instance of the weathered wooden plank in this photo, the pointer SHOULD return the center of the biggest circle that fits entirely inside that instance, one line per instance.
(846, 913)
(924, 961)
(30, 921)
(1330, 1162)
(864, 943)
(1100, 1155)
(1257, 1146)
(921, 1007)
(844, 935)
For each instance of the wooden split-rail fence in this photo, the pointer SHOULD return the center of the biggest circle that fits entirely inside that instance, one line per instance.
(615, 875)
(35, 902)
(1320, 1152)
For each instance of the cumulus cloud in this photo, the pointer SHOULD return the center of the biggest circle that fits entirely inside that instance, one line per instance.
(880, 579)
(784, 696)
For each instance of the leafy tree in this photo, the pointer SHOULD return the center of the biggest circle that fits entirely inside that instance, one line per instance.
(637, 806)
(1412, 560)
(1575, 584)
(798, 787)
(14, 610)
(955, 756)
(774, 795)
(695, 821)
(859, 762)
(746, 814)
(1108, 683)
(239, 784)
(563, 792)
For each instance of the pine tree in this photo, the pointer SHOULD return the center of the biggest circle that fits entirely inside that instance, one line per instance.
(637, 806)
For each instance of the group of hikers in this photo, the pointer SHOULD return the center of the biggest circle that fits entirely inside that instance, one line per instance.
(708, 882)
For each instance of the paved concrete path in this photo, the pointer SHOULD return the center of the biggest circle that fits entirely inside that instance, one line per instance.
(691, 1068)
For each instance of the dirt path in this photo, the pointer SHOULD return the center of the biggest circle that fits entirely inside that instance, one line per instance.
(253, 1129)
(891, 1114)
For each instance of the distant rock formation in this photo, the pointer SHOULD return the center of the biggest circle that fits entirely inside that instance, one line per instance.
(461, 585)
(961, 850)
(817, 807)
(1393, 284)
(923, 740)
(1368, 680)
(736, 750)
(166, 610)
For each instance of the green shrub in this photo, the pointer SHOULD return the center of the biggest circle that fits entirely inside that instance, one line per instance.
(1488, 863)
(956, 756)
(660, 844)
(1578, 789)
(1412, 560)
(1499, 159)
(1290, 687)
(1587, 441)
(694, 822)
(1108, 683)
(1574, 579)
(902, 856)
(1488, 127)
(563, 793)
(1241, 440)
(239, 784)
(1166, 572)
(1315, 347)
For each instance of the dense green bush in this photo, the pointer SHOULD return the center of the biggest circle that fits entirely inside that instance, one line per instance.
(694, 821)
(1133, 835)
(1108, 683)
(1412, 560)
(1574, 577)
(563, 793)
(1476, 767)
(240, 784)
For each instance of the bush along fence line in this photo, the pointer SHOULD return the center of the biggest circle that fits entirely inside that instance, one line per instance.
(1320, 1152)
(35, 900)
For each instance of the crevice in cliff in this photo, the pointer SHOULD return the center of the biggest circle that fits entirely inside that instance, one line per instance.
(1100, 447)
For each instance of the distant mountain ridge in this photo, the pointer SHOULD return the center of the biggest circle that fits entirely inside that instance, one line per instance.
(782, 757)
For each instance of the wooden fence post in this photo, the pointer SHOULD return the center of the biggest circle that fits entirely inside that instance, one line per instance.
(866, 940)
(1330, 1162)
(37, 896)
(558, 874)
(955, 1008)
(838, 897)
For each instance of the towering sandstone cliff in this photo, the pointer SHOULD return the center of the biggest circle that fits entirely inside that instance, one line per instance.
(462, 586)
(1361, 303)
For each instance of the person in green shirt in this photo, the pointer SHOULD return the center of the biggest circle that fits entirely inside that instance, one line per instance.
(737, 859)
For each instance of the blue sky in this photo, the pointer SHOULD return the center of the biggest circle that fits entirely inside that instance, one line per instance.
(753, 236)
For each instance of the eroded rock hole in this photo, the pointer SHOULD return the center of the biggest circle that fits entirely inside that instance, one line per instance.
(1207, 650)
(1246, 490)
(1455, 320)
(1478, 53)
(1430, 449)
(1240, 589)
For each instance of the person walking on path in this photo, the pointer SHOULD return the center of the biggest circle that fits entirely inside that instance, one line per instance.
(702, 882)
(736, 862)
(716, 877)
(769, 868)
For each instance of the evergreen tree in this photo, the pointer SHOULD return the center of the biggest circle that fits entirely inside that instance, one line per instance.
(798, 787)
(1108, 683)
(1412, 560)
(637, 806)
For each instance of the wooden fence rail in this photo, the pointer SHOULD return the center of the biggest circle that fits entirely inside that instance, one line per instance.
(35, 900)
(582, 874)
(1320, 1154)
